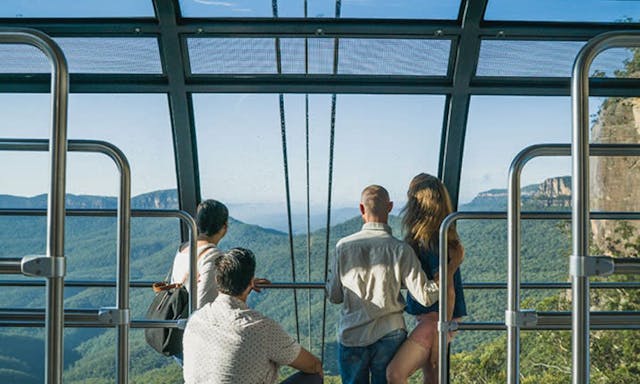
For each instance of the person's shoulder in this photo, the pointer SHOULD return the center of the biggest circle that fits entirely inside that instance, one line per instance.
(348, 239)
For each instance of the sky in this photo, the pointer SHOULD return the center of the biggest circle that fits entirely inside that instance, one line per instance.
(384, 139)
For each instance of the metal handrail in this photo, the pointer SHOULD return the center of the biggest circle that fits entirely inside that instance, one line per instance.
(56, 199)
(443, 324)
(580, 186)
(513, 315)
(320, 285)
(123, 214)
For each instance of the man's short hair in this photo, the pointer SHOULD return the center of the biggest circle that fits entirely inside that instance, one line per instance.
(375, 199)
(211, 216)
(234, 271)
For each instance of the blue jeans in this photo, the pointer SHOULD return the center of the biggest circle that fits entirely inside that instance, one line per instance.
(357, 362)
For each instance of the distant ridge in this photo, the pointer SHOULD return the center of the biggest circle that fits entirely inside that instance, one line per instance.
(552, 192)
(163, 199)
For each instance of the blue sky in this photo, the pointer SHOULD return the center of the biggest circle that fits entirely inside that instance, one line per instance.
(383, 139)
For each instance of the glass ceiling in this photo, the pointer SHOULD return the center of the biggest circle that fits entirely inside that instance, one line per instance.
(382, 9)
(75, 8)
(613, 11)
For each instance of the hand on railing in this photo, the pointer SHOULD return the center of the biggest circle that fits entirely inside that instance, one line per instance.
(257, 282)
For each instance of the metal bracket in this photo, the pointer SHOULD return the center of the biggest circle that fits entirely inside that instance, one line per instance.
(43, 266)
(448, 326)
(582, 266)
(182, 323)
(113, 316)
(520, 319)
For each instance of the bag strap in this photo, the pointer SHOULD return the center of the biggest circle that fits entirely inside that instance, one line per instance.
(202, 251)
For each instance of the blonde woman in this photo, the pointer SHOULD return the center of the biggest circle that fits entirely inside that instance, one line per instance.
(427, 206)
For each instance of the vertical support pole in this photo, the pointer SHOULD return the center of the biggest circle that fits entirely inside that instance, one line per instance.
(580, 214)
(56, 216)
(443, 321)
(123, 274)
(56, 197)
(513, 271)
(580, 196)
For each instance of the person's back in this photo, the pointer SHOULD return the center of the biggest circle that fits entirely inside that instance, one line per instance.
(226, 342)
(370, 264)
(368, 271)
(242, 345)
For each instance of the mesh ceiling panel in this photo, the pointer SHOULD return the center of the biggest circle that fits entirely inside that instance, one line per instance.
(87, 55)
(543, 59)
(356, 56)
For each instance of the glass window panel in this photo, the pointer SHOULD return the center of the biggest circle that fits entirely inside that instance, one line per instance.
(72, 8)
(572, 10)
(534, 120)
(22, 355)
(546, 59)
(491, 143)
(361, 122)
(88, 55)
(356, 56)
(138, 124)
(251, 178)
(409, 9)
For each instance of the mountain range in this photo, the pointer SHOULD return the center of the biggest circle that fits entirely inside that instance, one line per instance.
(91, 247)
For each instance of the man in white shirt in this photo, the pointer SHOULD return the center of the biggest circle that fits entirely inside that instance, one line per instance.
(226, 342)
(370, 268)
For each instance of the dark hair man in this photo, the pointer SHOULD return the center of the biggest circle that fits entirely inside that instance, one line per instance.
(226, 342)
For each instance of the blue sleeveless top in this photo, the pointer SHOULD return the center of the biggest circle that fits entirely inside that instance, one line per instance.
(430, 262)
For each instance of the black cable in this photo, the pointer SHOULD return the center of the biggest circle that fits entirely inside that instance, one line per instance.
(306, 115)
(283, 130)
(330, 182)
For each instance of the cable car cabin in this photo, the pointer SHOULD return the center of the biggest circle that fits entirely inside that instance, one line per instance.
(119, 117)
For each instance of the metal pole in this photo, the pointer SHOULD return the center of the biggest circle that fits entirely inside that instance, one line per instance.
(123, 261)
(10, 266)
(443, 321)
(580, 191)
(513, 262)
(56, 198)
(513, 272)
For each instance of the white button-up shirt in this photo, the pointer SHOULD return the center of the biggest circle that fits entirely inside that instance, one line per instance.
(226, 342)
(370, 268)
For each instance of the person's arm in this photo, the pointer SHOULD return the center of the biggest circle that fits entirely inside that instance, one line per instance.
(422, 289)
(456, 256)
(207, 287)
(307, 363)
(284, 350)
(334, 285)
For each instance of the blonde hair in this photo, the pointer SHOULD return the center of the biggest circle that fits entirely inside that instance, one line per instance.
(428, 203)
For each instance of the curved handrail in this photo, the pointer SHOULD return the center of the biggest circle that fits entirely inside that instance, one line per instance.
(56, 200)
(514, 213)
(580, 190)
(123, 214)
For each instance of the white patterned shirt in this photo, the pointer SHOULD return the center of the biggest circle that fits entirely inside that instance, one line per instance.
(226, 342)
(370, 268)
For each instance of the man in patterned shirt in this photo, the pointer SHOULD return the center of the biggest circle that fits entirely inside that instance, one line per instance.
(226, 342)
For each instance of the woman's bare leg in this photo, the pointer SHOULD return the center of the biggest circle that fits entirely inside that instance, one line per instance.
(407, 360)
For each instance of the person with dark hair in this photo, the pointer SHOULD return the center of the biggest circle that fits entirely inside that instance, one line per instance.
(212, 218)
(226, 342)
(370, 268)
(428, 203)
